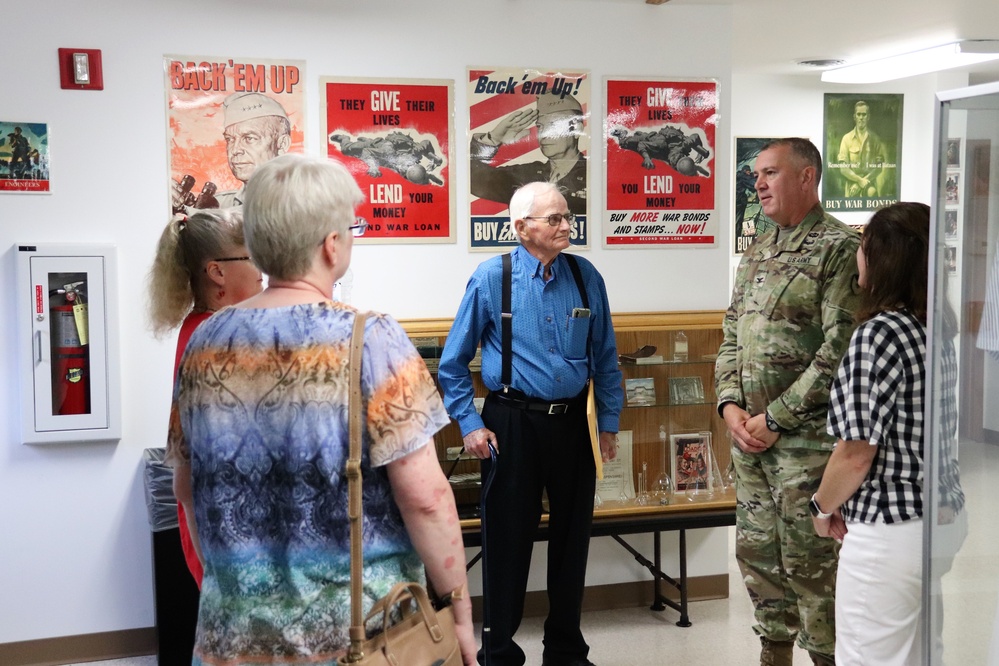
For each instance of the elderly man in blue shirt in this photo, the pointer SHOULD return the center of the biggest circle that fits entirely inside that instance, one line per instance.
(535, 417)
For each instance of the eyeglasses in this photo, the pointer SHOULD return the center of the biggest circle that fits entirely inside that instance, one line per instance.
(232, 259)
(554, 219)
(359, 228)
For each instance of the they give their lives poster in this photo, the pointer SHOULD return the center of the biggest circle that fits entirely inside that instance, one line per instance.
(660, 139)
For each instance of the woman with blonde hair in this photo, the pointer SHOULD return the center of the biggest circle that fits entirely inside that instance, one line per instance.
(201, 266)
(259, 442)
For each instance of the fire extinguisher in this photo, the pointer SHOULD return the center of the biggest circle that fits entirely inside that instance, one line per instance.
(70, 353)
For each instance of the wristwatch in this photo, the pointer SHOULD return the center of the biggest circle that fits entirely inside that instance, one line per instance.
(816, 510)
(772, 425)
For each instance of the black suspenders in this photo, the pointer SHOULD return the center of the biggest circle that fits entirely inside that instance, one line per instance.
(507, 312)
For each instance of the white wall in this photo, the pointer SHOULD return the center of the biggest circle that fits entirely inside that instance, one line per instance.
(74, 552)
(75, 546)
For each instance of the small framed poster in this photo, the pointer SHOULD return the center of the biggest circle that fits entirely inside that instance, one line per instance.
(690, 461)
(24, 157)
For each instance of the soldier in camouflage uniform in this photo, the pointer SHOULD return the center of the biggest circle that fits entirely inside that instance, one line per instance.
(789, 323)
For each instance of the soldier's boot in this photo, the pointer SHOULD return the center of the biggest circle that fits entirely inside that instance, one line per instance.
(820, 659)
(776, 653)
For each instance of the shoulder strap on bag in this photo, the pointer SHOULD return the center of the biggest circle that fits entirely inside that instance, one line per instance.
(354, 507)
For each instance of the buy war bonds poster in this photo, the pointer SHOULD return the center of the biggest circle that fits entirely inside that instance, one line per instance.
(863, 151)
(226, 117)
(748, 216)
(526, 125)
(396, 137)
(661, 156)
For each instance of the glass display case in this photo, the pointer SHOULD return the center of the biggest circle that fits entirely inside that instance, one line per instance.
(669, 425)
(961, 552)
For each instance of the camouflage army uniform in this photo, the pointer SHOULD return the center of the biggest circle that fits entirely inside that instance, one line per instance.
(789, 323)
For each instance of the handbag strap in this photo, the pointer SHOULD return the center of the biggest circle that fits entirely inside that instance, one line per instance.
(354, 507)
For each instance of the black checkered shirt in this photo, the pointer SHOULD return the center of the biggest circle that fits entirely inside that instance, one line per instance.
(877, 397)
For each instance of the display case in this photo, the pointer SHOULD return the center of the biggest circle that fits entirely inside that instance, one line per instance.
(960, 583)
(679, 403)
(67, 350)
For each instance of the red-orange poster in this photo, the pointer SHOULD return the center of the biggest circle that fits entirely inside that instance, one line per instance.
(661, 163)
(395, 137)
(226, 116)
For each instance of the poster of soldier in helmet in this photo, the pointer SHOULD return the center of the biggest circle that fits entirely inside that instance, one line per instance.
(661, 160)
(395, 136)
(226, 117)
(863, 150)
(526, 125)
(24, 157)
(749, 219)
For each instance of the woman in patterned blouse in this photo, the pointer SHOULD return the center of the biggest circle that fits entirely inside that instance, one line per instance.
(259, 438)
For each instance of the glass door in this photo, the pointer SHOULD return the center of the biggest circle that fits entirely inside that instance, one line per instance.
(961, 552)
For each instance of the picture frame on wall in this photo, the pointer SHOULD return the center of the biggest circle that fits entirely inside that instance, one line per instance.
(397, 138)
(206, 126)
(24, 157)
(661, 149)
(950, 224)
(748, 217)
(954, 153)
(510, 110)
(950, 259)
(952, 187)
(862, 138)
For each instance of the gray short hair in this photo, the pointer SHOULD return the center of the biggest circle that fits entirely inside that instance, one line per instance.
(291, 203)
(522, 201)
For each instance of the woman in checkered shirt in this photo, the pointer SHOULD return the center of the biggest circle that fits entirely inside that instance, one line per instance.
(871, 495)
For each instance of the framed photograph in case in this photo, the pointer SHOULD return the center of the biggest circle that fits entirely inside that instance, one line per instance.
(640, 391)
(686, 390)
(690, 461)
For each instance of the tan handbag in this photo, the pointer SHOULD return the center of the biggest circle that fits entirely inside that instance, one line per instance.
(423, 636)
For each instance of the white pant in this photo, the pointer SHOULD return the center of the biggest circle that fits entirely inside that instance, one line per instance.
(878, 595)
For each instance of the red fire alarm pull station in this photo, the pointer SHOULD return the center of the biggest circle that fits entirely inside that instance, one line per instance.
(80, 69)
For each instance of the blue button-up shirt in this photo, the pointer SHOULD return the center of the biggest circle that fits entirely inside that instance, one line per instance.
(549, 350)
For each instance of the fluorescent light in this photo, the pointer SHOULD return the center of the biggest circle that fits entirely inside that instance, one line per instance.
(947, 56)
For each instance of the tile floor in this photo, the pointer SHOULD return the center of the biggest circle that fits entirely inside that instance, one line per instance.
(721, 635)
(638, 637)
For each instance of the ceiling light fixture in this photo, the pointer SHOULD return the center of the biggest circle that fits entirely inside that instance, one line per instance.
(938, 58)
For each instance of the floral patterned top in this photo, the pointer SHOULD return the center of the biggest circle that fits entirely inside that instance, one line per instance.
(260, 411)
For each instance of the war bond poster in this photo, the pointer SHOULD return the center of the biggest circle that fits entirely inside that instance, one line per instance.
(395, 135)
(227, 116)
(863, 151)
(526, 125)
(748, 215)
(661, 150)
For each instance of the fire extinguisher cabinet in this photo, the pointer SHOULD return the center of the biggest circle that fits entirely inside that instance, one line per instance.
(67, 321)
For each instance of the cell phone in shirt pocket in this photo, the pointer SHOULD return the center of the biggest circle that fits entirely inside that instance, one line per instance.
(577, 332)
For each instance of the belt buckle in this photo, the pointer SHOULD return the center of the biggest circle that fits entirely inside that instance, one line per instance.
(557, 408)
